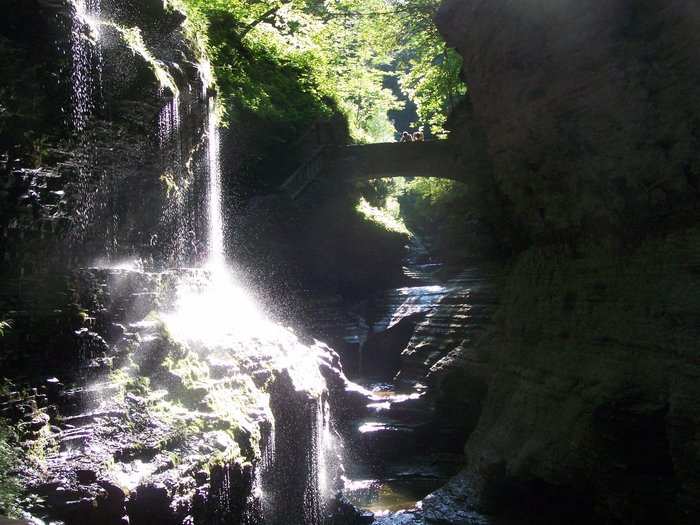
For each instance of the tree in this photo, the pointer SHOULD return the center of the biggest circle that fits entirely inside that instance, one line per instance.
(348, 48)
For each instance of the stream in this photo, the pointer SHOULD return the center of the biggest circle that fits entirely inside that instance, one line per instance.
(401, 448)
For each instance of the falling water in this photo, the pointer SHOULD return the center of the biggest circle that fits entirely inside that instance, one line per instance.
(327, 458)
(214, 314)
(175, 217)
(169, 120)
(266, 472)
(86, 61)
(222, 316)
(216, 223)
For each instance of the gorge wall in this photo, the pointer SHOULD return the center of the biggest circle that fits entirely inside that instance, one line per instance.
(100, 160)
(110, 184)
(589, 112)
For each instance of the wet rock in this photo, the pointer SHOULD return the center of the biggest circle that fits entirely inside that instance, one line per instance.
(86, 476)
(297, 418)
(458, 319)
(150, 504)
(9, 521)
(53, 387)
(230, 498)
(37, 422)
(381, 353)
(401, 518)
(201, 477)
(116, 496)
(115, 332)
(458, 384)
(452, 504)
(341, 512)
(90, 346)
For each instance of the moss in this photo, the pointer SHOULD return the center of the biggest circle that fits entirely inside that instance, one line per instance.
(9, 460)
(132, 37)
(181, 394)
(131, 382)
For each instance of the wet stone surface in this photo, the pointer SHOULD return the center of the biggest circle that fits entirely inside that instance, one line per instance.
(142, 428)
(404, 439)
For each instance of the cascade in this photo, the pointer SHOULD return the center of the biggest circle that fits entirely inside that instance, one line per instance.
(215, 254)
(254, 380)
(217, 316)
(169, 120)
(86, 61)
(180, 247)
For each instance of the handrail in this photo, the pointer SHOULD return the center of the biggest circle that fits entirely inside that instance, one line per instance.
(304, 174)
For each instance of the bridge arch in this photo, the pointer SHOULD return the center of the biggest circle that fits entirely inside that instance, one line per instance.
(436, 158)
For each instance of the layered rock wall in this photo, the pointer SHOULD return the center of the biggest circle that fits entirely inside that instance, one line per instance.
(135, 146)
(110, 164)
(589, 110)
(590, 115)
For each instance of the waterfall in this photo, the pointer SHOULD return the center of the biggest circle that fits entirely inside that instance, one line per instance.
(215, 254)
(86, 62)
(266, 473)
(219, 316)
(180, 247)
(215, 242)
(325, 462)
(169, 120)
(215, 316)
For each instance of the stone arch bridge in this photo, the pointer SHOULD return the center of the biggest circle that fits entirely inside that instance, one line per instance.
(437, 158)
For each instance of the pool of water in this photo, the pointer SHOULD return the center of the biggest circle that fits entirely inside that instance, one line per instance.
(385, 496)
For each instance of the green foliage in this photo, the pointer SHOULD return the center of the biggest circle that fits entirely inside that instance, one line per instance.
(388, 216)
(357, 56)
(433, 191)
(433, 208)
(294, 61)
(133, 38)
(37, 151)
(429, 71)
(9, 460)
(445, 213)
(9, 488)
(256, 67)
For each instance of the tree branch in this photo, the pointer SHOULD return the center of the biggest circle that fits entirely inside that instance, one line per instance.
(262, 18)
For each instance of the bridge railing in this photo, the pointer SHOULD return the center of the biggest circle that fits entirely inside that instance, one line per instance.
(297, 182)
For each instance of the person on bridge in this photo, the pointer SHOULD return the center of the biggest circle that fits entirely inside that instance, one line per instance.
(406, 137)
(418, 136)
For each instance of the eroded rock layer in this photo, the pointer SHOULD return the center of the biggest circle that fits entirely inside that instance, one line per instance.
(589, 110)
(590, 115)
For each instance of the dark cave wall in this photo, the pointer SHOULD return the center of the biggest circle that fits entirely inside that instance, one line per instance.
(590, 115)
